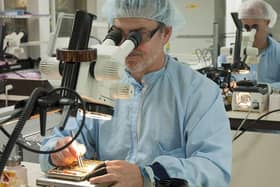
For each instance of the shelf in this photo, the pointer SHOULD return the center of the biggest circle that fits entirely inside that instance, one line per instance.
(22, 16)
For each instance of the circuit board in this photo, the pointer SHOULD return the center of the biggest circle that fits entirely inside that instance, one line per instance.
(73, 172)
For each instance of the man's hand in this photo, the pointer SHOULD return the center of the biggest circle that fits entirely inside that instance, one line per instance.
(120, 173)
(67, 155)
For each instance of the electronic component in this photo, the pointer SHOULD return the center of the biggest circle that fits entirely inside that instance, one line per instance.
(253, 98)
(74, 172)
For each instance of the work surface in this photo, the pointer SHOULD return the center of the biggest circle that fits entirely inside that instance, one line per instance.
(267, 124)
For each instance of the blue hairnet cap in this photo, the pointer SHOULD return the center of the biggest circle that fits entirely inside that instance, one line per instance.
(163, 11)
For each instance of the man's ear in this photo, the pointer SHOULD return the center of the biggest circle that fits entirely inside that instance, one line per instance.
(167, 31)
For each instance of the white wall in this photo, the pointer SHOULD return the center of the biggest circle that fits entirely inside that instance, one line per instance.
(198, 32)
(231, 6)
(199, 16)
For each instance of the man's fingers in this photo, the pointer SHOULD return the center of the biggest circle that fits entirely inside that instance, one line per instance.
(119, 173)
(57, 161)
(113, 162)
(77, 149)
(65, 156)
(107, 178)
(97, 172)
(73, 150)
(61, 158)
(113, 169)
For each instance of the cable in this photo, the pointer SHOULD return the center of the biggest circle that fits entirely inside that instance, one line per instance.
(241, 125)
(61, 148)
(255, 122)
(38, 92)
(28, 109)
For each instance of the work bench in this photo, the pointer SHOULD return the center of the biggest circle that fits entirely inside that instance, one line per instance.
(269, 123)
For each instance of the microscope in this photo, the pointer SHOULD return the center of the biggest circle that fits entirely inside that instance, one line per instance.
(99, 82)
(96, 72)
(243, 53)
(247, 95)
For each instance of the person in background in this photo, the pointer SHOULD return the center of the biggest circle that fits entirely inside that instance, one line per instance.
(260, 15)
(175, 126)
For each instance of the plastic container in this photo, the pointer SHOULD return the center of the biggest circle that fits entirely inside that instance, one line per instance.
(14, 174)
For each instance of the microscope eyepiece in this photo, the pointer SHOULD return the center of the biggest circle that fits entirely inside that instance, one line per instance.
(135, 37)
(115, 35)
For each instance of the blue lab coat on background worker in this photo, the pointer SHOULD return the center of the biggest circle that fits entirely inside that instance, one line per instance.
(268, 68)
(170, 120)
